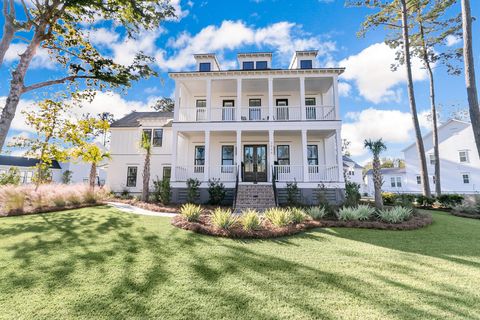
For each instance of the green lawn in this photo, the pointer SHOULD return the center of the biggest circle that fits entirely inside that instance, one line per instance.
(102, 263)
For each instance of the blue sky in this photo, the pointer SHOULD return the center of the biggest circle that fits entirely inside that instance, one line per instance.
(373, 101)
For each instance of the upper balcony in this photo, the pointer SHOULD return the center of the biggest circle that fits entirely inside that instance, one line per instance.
(240, 97)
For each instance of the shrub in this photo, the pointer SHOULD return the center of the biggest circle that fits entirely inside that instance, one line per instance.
(322, 200)
(223, 218)
(424, 201)
(191, 212)
(67, 176)
(352, 194)
(389, 198)
(466, 208)
(292, 194)
(125, 194)
(162, 190)
(12, 176)
(250, 220)
(89, 196)
(317, 213)
(278, 217)
(297, 215)
(361, 212)
(12, 200)
(396, 214)
(405, 200)
(192, 190)
(449, 200)
(216, 190)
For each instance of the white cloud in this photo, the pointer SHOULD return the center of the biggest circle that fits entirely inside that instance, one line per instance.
(42, 58)
(344, 89)
(103, 36)
(371, 73)
(179, 12)
(452, 40)
(393, 126)
(283, 37)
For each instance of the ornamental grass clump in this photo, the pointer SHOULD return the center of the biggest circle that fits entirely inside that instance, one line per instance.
(316, 213)
(278, 217)
(191, 212)
(361, 212)
(297, 215)
(250, 220)
(12, 200)
(395, 214)
(223, 218)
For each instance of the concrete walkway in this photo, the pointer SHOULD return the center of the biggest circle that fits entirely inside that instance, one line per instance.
(132, 209)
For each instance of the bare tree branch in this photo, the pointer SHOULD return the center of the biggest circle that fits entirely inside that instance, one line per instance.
(53, 82)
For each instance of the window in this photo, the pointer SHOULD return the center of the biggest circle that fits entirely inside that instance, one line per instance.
(228, 110)
(392, 182)
(432, 159)
(227, 155)
(201, 109)
(200, 155)
(283, 155)
(306, 64)
(157, 137)
(312, 155)
(261, 65)
(351, 172)
(248, 65)
(434, 180)
(254, 110)
(419, 180)
(28, 177)
(466, 178)
(147, 133)
(399, 182)
(167, 172)
(205, 66)
(463, 155)
(131, 176)
(310, 104)
(396, 182)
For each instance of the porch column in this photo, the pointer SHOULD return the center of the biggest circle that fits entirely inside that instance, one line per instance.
(176, 108)
(270, 99)
(209, 99)
(336, 98)
(305, 155)
(239, 154)
(338, 149)
(303, 110)
(173, 177)
(239, 100)
(206, 167)
(271, 153)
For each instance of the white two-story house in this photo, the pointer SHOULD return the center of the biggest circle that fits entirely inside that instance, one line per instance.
(254, 125)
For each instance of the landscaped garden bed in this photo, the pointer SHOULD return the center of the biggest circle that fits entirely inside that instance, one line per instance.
(278, 222)
(26, 199)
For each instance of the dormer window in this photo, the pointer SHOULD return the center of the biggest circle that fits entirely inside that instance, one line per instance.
(306, 64)
(261, 65)
(248, 65)
(205, 66)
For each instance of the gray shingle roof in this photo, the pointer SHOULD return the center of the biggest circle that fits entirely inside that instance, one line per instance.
(24, 162)
(347, 159)
(132, 119)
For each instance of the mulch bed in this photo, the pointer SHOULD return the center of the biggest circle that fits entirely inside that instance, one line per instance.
(465, 215)
(203, 226)
(51, 209)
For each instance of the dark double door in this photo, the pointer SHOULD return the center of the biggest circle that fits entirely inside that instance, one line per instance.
(255, 163)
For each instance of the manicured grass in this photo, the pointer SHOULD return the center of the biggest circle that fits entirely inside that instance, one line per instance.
(102, 263)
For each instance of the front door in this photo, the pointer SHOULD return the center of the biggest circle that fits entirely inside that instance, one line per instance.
(255, 163)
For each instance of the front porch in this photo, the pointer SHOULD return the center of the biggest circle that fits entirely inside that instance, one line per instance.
(305, 156)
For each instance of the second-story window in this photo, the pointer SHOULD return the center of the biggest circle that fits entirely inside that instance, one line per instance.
(205, 66)
(157, 137)
(261, 65)
(248, 65)
(306, 64)
(147, 135)
(254, 109)
(463, 155)
(432, 159)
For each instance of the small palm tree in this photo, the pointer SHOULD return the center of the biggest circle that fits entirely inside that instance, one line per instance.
(376, 147)
(146, 145)
(93, 154)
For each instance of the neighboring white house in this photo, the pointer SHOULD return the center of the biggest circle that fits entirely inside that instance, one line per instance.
(394, 180)
(459, 161)
(255, 124)
(354, 172)
(26, 167)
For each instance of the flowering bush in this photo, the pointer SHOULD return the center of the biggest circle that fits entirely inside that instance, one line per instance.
(25, 199)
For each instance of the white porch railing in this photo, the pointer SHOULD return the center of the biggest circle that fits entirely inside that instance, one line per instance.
(224, 173)
(223, 114)
(287, 113)
(323, 173)
(183, 173)
(320, 113)
(192, 114)
(255, 114)
(286, 173)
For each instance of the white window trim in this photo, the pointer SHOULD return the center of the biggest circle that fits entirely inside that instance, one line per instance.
(467, 158)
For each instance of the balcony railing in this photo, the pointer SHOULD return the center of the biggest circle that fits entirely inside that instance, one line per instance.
(286, 173)
(280, 113)
(322, 173)
(226, 173)
(183, 173)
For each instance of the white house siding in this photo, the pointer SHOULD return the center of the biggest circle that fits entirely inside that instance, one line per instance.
(395, 173)
(26, 173)
(454, 136)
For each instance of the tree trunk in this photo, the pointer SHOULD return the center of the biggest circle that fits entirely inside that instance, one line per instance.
(8, 33)
(93, 175)
(377, 183)
(146, 177)
(16, 86)
(413, 106)
(470, 72)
